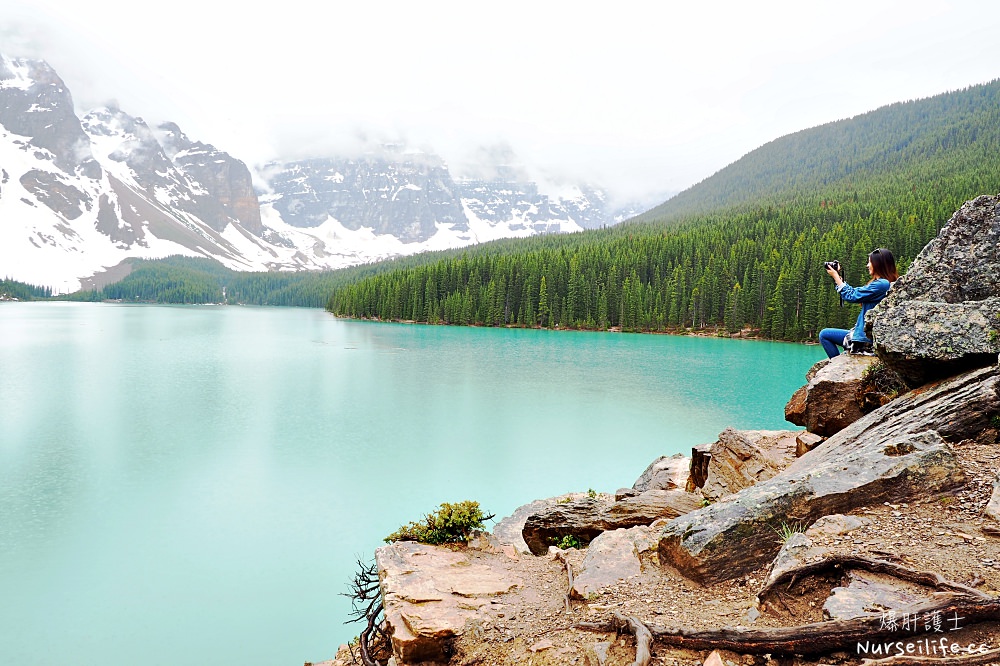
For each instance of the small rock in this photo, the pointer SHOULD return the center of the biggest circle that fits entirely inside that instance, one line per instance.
(597, 654)
(714, 659)
(543, 644)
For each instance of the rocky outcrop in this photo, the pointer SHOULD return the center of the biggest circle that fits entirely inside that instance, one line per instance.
(739, 459)
(431, 593)
(828, 402)
(940, 318)
(586, 518)
(897, 452)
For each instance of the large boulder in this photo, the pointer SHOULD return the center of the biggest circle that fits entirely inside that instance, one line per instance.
(939, 319)
(611, 557)
(896, 453)
(829, 402)
(739, 459)
(664, 473)
(587, 518)
(431, 593)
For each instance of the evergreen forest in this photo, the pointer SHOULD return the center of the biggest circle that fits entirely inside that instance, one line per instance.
(11, 290)
(741, 251)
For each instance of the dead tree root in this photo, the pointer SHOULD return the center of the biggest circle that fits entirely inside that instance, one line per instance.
(818, 637)
(927, 578)
(569, 575)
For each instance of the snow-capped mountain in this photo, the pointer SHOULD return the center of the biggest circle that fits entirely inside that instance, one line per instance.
(80, 195)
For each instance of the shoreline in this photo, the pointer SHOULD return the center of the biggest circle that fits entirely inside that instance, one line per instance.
(688, 332)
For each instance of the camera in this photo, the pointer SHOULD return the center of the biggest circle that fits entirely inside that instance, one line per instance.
(835, 265)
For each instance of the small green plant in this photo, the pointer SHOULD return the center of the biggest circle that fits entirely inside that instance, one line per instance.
(705, 502)
(785, 531)
(564, 500)
(451, 523)
(568, 541)
(878, 386)
(995, 421)
(591, 493)
(994, 338)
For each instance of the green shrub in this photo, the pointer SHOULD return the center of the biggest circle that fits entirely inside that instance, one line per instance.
(451, 523)
(568, 541)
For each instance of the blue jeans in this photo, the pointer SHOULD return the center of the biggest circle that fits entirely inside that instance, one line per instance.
(831, 339)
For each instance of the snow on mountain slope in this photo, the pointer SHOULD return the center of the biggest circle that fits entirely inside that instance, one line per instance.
(78, 196)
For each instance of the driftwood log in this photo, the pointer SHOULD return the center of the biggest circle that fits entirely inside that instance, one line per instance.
(817, 637)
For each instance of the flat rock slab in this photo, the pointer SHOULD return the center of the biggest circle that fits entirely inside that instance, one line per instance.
(867, 594)
(430, 593)
(828, 403)
(895, 453)
(611, 557)
(586, 518)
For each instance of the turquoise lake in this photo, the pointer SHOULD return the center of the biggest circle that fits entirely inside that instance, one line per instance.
(193, 484)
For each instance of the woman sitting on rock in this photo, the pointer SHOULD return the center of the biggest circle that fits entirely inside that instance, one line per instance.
(882, 268)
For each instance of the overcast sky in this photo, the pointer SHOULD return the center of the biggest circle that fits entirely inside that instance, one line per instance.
(642, 97)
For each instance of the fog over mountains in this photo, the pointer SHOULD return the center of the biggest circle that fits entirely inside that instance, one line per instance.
(79, 195)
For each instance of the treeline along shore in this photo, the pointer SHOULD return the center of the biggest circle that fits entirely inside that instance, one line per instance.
(741, 250)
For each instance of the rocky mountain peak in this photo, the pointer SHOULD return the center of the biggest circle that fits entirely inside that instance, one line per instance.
(35, 103)
(226, 178)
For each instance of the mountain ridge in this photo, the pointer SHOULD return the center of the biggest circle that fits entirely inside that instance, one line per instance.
(81, 195)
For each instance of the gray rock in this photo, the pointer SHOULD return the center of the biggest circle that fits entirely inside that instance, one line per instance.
(828, 403)
(896, 453)
(937, 319)
(665, 473)
(611, 557)
(588, 517)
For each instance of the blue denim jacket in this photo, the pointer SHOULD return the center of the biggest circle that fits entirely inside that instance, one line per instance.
(869, 296)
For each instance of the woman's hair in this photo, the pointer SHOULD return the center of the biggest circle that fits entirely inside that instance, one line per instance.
(883, 264)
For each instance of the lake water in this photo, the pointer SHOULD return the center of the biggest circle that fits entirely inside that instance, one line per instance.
(192, 485)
